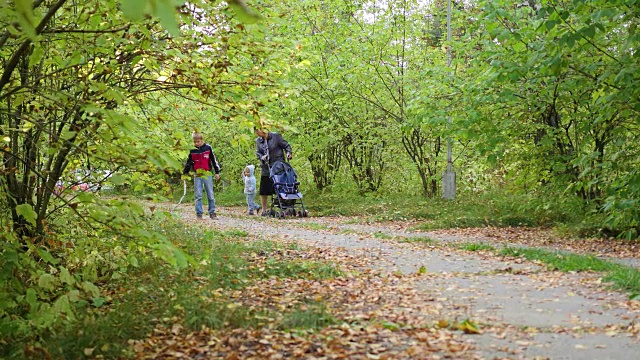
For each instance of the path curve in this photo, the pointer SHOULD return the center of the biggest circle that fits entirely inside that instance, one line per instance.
(526, 311)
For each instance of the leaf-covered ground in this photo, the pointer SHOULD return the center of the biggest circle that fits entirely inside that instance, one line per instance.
(378, 310)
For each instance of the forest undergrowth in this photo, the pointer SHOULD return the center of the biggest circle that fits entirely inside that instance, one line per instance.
(151, 296)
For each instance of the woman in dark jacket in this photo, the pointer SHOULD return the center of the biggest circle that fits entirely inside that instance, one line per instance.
(270, 147)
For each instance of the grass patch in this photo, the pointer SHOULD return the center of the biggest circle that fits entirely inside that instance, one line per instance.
(625, 278)
(147, 294)
(477, 247)
(313, 315)
(158, 293)
(381, 235)
(419, 240)
(198, 311)
(621, 277)
(498, 208)
(314, 226)
(559, 260)
(234, 233)
(233, 265)
(298, 269)
(231, 196)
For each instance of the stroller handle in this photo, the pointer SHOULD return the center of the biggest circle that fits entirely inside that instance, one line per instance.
(281, 183)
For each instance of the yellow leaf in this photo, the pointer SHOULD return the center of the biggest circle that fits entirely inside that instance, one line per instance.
(232, 306)
(468, 327)
(443, 324)
(304, 64)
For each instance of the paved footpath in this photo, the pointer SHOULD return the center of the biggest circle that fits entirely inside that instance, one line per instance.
(546, 314)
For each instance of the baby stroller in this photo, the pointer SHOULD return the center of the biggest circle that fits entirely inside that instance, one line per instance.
(286, 194)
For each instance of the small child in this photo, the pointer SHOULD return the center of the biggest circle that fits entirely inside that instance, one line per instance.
(250, 188)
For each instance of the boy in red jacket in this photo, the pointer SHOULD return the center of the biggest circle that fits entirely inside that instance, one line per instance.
(202, 161)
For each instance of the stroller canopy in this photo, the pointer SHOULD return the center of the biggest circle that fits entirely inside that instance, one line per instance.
(282, 170)
(285, 186)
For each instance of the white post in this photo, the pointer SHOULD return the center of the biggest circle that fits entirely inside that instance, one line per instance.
(449, 177)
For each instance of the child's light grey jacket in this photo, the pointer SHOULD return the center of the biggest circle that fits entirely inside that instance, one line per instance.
(249, 181)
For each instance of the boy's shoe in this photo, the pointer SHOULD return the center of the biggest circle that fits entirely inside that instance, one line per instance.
(213, 215)
(264, 213)
(251, 212)
(199, 216)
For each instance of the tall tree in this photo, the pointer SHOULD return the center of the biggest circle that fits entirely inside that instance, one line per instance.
(365, 64)
(74, 73)
(557, 81)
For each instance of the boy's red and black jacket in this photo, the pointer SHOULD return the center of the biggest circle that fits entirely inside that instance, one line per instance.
(202, 158)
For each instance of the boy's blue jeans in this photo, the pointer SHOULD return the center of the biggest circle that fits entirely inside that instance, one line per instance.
(251, 202)
(199, 183)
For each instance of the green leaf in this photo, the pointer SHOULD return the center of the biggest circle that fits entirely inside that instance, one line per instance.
(468, 327)
(390, 326)
(62, 305)
(570, 41)
(32, 298)
(502, 12)
(47, 282)
(134, 9)
(590, 31)
(66, 277)
(117, 179)
(36, 55)
(243, 13)
(67, 135)
(96, 19)
(46, 256)
(181, 259)
(166, 12)
(26, 211)
(90, 288)
(564, 15)
(542, 11)
(132, 260)
(74, 296)
(98, 301)
(24, 9)
(555, 65)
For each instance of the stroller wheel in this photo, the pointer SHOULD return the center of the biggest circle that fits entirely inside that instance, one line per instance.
(299, 213)
(305, 213)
